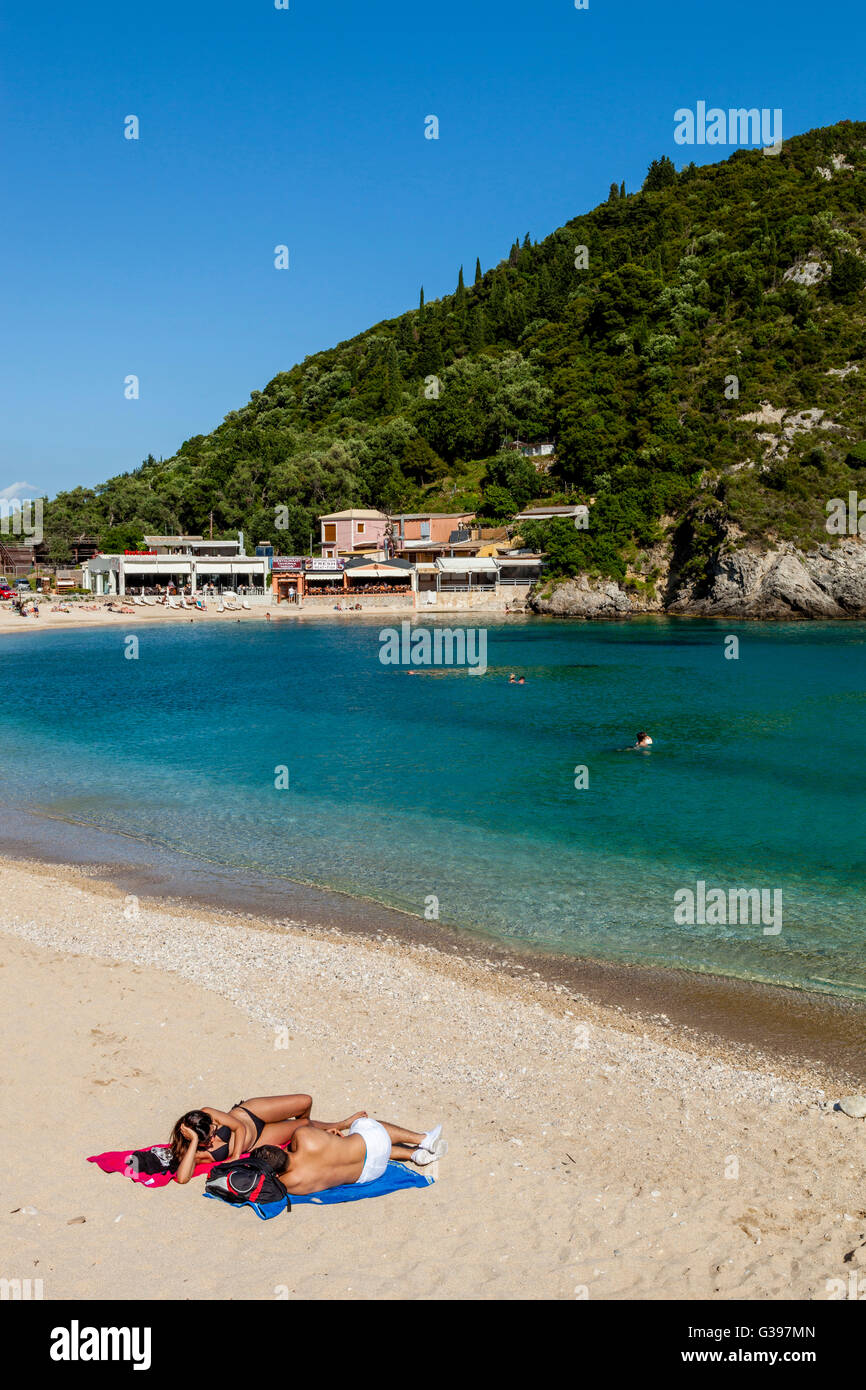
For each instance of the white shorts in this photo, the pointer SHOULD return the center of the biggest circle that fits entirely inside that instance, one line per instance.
(378, 1144)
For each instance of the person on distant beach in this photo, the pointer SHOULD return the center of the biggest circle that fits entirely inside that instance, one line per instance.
(317, 1160)
(212, 1136)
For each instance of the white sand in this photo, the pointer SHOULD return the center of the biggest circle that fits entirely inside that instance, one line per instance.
(588, 1151)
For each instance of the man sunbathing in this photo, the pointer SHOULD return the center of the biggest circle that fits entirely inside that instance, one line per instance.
(318, 1159)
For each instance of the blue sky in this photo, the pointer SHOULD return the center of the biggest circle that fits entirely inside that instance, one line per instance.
(306, 127)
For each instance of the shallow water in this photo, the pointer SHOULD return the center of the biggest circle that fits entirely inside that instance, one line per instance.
(462, 789)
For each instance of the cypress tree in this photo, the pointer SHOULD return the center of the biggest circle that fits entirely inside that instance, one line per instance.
(478, 270)
(393, 384)
(622, 189)
(405, 339)
(476, 333)
(430, 353)
(613, 195)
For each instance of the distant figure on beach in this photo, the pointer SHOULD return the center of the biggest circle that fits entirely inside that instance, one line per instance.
(268, 616)
(317, 1161)
(212, 1136)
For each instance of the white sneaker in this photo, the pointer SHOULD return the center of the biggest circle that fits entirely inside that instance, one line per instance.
(425, 1156)
(431, 1138)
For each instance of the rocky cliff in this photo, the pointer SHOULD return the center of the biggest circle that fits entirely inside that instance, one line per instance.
(780, 584)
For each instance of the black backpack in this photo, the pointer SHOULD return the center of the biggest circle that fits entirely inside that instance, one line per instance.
(248, 1182)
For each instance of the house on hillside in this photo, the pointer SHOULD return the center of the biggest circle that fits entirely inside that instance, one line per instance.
(352, 532)
(579, 514)
(542, 453)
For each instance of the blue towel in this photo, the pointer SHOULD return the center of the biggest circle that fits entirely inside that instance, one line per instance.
(395, 1177)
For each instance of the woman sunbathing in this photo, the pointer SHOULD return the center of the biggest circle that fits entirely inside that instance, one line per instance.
(212, 1136)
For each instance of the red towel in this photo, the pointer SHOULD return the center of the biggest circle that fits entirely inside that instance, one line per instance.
(119, 1161)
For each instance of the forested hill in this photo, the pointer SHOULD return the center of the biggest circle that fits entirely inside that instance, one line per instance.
(709, 292)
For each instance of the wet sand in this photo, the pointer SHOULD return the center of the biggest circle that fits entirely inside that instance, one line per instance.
(795, 1029)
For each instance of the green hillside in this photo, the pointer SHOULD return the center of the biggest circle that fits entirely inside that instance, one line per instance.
(702, 276)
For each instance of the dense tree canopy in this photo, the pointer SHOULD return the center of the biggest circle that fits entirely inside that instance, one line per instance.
(689, 309)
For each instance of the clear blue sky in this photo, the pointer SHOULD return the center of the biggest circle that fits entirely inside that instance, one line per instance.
(306, 127)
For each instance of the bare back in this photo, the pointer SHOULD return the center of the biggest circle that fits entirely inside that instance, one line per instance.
(318, 1160)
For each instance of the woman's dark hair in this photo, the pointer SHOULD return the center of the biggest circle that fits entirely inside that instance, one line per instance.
(200, 1123)
(641, 735)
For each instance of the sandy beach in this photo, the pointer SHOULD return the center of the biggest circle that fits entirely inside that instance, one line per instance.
(52, 618)
(594, 1153)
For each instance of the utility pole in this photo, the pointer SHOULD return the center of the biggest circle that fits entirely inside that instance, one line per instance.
(211, 525)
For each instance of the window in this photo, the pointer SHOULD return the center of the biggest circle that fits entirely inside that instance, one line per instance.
(329, 531)
(425, 530)
(360, 526)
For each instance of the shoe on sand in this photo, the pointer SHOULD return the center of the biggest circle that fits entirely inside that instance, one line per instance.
(424, 1156)
(430, 1138)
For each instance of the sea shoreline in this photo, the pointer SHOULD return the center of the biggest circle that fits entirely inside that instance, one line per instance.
(800, 1032)
(593, 1153)
(75, 621)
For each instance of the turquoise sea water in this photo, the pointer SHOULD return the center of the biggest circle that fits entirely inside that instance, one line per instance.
(462, 787)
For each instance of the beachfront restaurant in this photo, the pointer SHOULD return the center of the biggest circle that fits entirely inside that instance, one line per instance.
(230, 573)
(466, 573)
(324, 578)
(142, 572)
(287, 578)
(379, 577)
(519, 569)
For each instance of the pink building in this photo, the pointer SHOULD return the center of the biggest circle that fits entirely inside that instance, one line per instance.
(436, 527)
(352, 532)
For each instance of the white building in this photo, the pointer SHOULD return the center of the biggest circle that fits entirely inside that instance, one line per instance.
(188, 562)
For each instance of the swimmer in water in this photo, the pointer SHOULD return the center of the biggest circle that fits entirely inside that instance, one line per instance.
(643, 740)
(512, 679)
(522, 680)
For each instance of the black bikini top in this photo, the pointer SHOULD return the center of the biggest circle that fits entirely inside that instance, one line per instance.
(221, 1154)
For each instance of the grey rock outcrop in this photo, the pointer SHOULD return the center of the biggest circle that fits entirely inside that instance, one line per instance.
(781, 585)
(578, 598)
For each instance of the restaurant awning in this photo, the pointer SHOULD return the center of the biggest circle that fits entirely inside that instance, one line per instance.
(330, 575)
(471, 565)
(378, 572)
